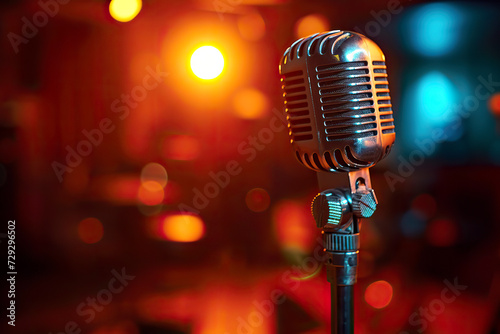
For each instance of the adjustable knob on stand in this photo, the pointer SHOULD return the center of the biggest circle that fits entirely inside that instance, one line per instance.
(329, 207)
(364, 203)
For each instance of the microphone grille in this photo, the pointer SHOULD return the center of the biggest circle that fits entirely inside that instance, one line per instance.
(297, 106)
(383, 97)
(346, 100)
(337, 101)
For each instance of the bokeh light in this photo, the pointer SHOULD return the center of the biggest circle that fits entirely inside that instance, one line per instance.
(311, 24)
(430, 102)
(425, 204)
(257, 200)
(442, 232)
(154, 172)
(250, 103)
(151, 193)
(379, 294)
(494, 104)
(292, 221)
(90, 230)
(435, 29)
(437, 93)
(207, 62)
(117, 189)
(124, 10)
(180, 147)
(183, 228)
(252, 26)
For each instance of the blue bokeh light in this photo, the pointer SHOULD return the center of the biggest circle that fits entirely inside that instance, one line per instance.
(432, 102)
(435, 29)
(435, 95)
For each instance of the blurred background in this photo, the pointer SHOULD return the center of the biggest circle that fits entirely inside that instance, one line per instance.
(144, 159)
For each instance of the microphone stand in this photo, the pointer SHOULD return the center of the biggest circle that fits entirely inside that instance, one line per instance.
(337, 212)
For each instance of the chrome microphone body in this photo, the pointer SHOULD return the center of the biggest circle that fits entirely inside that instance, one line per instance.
(337, 101)
(340, 119)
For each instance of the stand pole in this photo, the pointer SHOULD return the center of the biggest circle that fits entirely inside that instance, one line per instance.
(342, 309)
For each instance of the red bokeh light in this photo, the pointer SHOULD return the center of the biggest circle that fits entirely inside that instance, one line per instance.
(379, 294)
(257, 200)
(90, 230)
(117, 189)
(181, 147)
(494, 104)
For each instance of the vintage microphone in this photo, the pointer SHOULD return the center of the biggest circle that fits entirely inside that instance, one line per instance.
(339, 116)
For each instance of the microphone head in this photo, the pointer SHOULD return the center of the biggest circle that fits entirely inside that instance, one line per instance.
(337, 101)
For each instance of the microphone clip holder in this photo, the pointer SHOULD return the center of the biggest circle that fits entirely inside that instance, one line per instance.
(338, 212)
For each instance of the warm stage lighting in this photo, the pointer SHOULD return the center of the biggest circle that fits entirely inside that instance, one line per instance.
(311, 24)
(250, 103)
(292, 221)
(257, 199)
(90, 230)
(180, 147)
(151, 193)
(379, 294)
(124, 10)
(183, 228)
(252, 27)
(207, 62)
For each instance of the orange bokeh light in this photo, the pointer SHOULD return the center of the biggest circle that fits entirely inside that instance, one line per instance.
(154, 172)
(183, 228)
(151, 193)
(311, 24)
(250, 103)
(90, 230)
(257, 199)
(293, 222)
(181, 147)
(184, 36)
(252, 27)
(379, 294)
